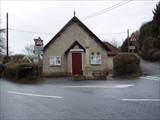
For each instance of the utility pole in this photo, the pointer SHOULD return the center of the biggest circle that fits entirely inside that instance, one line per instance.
(128, 38)
(7, 35)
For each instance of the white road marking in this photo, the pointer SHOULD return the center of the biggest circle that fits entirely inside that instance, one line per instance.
(98, 86)
(123, 86)
(36, 95)
(155, 78)
(141, 100)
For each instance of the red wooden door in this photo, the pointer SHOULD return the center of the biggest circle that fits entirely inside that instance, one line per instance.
(76, 63)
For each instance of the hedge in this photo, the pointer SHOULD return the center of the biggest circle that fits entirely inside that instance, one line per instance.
(6, 59)
(22, 72)
(2, 68)
(126, 64)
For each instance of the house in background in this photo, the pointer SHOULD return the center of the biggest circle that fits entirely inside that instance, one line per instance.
(76, 50)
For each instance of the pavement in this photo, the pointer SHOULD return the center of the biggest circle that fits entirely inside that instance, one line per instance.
(66, 99)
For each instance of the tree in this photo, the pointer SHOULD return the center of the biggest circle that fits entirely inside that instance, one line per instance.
(124, 47)
(28, 50)
(151, 49)
(156, 19)
(2, 46)
(146, 30)
(156, 13)
(114, 43)
(149, 38)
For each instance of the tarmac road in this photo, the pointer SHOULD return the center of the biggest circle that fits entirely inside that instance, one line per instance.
(65, 99)
(150, 68)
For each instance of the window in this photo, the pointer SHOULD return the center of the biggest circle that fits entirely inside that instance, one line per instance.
(55, 60)
(95, 59)
(92, 58)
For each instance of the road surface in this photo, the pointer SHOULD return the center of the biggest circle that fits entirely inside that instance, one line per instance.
(150, 68)
(65, 99)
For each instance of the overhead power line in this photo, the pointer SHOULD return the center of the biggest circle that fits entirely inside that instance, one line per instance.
(2, 20)
(124, 32)
(27, 31)
(111, 33)
(107, 9)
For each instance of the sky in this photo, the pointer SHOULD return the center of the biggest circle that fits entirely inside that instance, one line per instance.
(33, 19)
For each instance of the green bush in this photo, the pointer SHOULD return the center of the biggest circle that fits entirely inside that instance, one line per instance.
(6, 59)
(126, 64)
(151, 49)
(2, 68)
(22, 72)
(10, 72)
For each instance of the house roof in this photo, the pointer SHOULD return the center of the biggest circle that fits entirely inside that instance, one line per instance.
(76, 20)
(113, 50)
(111, 47)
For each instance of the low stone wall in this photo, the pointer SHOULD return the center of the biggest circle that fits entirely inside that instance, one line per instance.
(57, 74)
(95, 75)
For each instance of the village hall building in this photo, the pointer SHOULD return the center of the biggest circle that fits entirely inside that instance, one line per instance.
(76, 50)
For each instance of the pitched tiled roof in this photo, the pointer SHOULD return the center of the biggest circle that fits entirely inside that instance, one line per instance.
(76, 20)
(113, 50)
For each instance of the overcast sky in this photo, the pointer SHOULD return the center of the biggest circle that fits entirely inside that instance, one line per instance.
(48, 17)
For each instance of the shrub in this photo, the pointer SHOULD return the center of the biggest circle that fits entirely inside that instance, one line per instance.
(151, 49)
(10, 71)
(126, 64)
(22, 72)
(2, 68)
(6, 59)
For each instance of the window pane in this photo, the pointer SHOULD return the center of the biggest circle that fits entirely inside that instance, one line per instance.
(51, 60)
(58, 60)
(54, 60)
(95, 59)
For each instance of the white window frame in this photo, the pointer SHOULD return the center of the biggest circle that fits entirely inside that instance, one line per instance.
(95, 59)
(53, 61)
